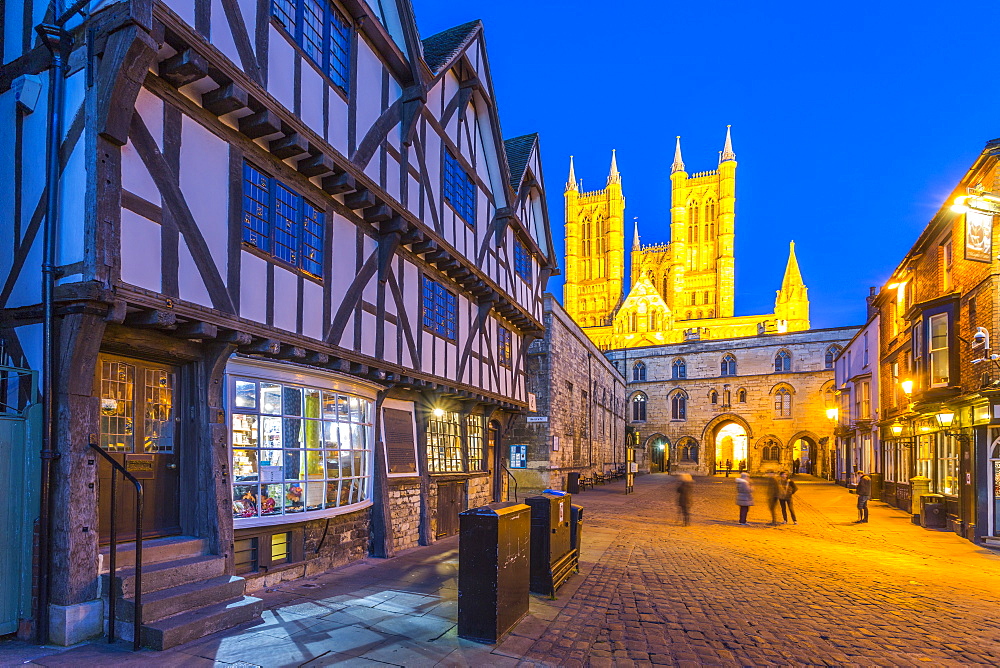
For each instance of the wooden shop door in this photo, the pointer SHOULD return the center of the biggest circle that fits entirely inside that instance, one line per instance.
(451, 501)
(139, 429)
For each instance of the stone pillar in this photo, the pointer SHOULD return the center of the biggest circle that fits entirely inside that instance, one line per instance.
(918, 485)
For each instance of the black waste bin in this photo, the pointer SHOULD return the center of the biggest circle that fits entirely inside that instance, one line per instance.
(932, 511)
(552, 557)
(493, 569)
(576, 531)
(573, 482)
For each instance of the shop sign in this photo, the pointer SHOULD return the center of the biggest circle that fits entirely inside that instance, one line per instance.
(538, 418)
(978, 236)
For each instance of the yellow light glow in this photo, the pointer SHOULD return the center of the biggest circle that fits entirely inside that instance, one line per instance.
(959, 206)
(831, 414)
(892, 286)
(945, 418)
(438, 412)
(897, 428)
(907, 387)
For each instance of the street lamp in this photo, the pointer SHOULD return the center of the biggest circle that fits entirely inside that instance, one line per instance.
(897, 428)
(907, 387)
(438, 412)
(978, 199)
(945, 418)
(831, 414)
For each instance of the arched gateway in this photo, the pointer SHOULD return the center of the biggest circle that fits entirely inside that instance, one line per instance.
(727, 439)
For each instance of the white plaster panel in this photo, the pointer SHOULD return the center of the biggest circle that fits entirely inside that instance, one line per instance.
(281, 69)
(27, 288)
(391, 348)
(413, 196)
(313, 90)
(73, 198)
(140, 251)
(312, 311)
(370, 293)
(204, 180)
(222, 34)
(368, 92)
(286, 290)
(249, 10)
(373, 168)
(183, 8)
(368, 324)
(337, 129)
(191, 285)
(32, 344)
(427, 363)
(253, 287)
(150, 107)
(450, 83)
(432, 159)
(434, 99)
(343, 258)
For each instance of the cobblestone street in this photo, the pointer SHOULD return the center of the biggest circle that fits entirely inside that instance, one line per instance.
(823, 592)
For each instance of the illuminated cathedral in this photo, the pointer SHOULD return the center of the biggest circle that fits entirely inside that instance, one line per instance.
(679, 291)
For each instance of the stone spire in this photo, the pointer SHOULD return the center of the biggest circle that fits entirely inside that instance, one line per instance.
(613, 175)
(727, 150)
(793, 277)
(678, 165)
(571, 180)
(635, 236)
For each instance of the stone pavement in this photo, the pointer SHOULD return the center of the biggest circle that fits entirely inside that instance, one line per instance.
(651, 592)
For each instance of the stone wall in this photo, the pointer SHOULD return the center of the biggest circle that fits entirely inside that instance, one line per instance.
(404, 509)
(580, 395)
(809, 383)
(479, 491)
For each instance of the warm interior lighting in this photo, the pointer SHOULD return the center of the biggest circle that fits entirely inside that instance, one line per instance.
(438, 412)
(945, 418)
(831, 413)
(907, 386)
(897, 428)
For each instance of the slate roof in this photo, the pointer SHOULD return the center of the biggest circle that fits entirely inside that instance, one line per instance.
(439, 49)
(518, 152)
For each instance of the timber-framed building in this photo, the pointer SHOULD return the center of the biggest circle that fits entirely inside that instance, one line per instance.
(298, 271)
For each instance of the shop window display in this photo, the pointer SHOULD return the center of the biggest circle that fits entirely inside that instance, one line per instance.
(297, 449)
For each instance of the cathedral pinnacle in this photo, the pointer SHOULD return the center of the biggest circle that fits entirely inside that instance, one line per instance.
(571, 180)
(635, 236)
(727, 150)
(793, 277)
(613, 175)
(678, 165)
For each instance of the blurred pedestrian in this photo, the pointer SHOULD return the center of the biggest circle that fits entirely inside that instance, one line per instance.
(685, 486)
(795, 466)
(864, 491)
(786, 489)
(744, 495)
(772, 497)
(729, 467)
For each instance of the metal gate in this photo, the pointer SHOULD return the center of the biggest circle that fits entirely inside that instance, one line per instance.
(20, 443)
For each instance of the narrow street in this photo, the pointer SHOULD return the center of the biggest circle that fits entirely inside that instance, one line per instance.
(823, 592)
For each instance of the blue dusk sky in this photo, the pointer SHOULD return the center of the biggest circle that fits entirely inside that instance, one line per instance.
(852, 121)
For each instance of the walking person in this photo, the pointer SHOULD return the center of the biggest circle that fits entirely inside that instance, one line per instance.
(685, 486)
(864, 491)
(795, 466)
(786, 489)
(744, 495)
(772, 498)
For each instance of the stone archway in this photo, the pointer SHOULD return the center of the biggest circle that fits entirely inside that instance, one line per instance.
(804, 447)
(658, 448)
(716, 450)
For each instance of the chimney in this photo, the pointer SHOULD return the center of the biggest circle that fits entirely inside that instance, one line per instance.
(870, 301)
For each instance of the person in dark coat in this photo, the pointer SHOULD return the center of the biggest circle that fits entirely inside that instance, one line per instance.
(795, 466)
(685, 487)
(744, 495)
(864, 492)
(772, 498)
(786, 489)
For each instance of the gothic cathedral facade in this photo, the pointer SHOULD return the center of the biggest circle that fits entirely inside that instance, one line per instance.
(679, 291)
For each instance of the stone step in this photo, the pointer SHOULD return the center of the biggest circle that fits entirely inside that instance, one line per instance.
(154, 551)
(195, 624)
(165, 603)
(165, 575)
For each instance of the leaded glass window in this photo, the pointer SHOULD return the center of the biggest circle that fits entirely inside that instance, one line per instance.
(440, 310)
(459, 189)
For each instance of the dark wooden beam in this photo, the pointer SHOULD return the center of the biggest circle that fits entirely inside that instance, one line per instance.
(261, 124)
(289, 146)
(196, 329)
(183, 68)
(233, 336)
(291, 353)
(316, 165)
(360, 199)
(339, 184)
(262, 347)
(413, 235)
(359, 369)
(377, 214)
(319, 359)
(151, 319)
(225, 99)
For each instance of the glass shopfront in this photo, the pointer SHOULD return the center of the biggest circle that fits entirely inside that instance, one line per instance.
(301, 445)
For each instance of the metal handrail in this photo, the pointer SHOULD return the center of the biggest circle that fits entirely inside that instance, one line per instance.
(113, 554)
(513, 479)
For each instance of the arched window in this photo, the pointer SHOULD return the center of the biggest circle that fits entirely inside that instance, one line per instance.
(726, 398)
(688, 452)
(831, 354)
(634, 321)
(639, 372)
(693, 208)
(710, 210)
(706, 296)
(687, 316)
(585, 247)
(782, 361)
(678, 369)
(728, 365)
(678, 406)
(782, 403)
(741, 396)
(771, 452)
(711, 313)
(654, 321)
(700, 314)
(639, 407)
(713, 397)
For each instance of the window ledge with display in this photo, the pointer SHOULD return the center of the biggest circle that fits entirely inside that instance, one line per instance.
(300, 443)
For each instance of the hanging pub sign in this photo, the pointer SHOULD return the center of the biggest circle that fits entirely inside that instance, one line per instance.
(978, 236)
(519, 456)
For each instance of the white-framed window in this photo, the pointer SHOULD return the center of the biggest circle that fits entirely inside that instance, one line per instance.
(300, 443)
(937, 350)
(783, 403)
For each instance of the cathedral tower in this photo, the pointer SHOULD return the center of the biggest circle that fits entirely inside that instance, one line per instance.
(792, 302)
(595, 249)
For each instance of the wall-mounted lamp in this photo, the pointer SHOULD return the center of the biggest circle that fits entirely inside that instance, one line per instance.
(896, 428)
(945, 418)
(907, 387)
(438, 412)
(831, 414)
